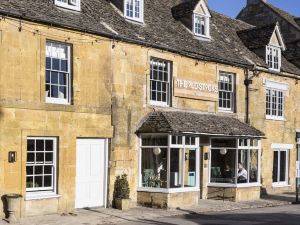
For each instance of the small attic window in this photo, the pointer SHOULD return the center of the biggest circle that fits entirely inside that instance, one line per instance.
(134, 10)
(201, 20)
(201, 25)
(274, 57)
(69, 4)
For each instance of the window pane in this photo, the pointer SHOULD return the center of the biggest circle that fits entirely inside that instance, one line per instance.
(29, 182)
(29, 170)
(223, 166)
(176, 159)
(49, 145)
(154, 167)
(282, 175)
(154, 140)
(55, 64)
(224, 143)
(242, 176)
(190, 168)
(38, 181)
(253, 173)
(275, 166)
(47, 181)
(30, 145)
(39, 145)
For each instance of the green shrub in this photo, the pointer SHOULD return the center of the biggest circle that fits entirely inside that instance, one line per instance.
(121, 189)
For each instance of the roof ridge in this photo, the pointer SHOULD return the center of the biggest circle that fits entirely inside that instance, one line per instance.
(258, 27)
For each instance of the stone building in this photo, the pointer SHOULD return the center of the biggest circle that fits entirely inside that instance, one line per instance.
(261, 13)
(187, 102)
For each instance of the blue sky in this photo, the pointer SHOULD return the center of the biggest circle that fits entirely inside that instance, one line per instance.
(232, 7)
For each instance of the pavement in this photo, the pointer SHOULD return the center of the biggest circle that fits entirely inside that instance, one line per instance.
(138, 215)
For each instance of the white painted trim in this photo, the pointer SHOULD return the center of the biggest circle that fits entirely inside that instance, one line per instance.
(106, 173)
(139, 20)
(30, 196)
(234, 185)
(280, 185)
(168, 191)
(275, 85)
(278, 118)
(276, 146)
(68, 6)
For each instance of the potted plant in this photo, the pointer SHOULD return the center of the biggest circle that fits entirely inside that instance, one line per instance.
(121, 193)
(13, 201)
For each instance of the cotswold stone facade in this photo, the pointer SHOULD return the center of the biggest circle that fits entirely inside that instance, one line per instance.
(186, 109)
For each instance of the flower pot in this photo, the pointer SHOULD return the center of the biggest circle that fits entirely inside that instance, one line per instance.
(13, 202)
(122, 204)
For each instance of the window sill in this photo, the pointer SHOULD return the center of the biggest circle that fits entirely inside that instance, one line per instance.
(220, 110)
(57, 101)
(158, 104)
(136, 21)
(67, 6)
(275, 118)
(276, 185)
(169, 191)
(234, 185)
(30, 197)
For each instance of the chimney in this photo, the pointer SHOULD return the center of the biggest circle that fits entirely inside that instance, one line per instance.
(249, 2)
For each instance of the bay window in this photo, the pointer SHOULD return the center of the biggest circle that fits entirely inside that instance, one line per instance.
(169, 162)
(234, 162)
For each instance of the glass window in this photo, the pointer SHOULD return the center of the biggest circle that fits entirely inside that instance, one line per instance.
(223, 166)
(201, 25)
(226, 91)
(40, 165)
(274, 103)
(154, 167)
(190, 168)
(69, 4)
(134, 9)
(231, 164)
(182, 161)
(280, 167)
(57, 73)
(274, 57)
(160, 76)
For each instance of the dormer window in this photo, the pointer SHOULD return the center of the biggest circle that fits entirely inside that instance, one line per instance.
(274, 57)
(201, 25)
(133, 10)
(69, 4)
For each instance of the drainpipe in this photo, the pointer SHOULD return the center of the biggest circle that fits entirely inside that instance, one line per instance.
(247, 83)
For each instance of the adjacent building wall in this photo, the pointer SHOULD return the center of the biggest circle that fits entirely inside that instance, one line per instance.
(23, 111)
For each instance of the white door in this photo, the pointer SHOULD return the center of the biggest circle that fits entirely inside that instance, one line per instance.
(90, 173)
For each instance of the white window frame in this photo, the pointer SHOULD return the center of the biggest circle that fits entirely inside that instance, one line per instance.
(139, 19)
(286, 182)
(206, 25)
(168, 83)
(232, 92)
(31, 193)
(269, 96)
(170, 145)
(237, 148)
(67, 100)
(69, 4)
(271, 57)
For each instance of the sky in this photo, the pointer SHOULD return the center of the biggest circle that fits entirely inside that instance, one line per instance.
(232, 7)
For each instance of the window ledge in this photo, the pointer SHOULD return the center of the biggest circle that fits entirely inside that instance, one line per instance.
(275, 185)
(220, 110)
(159, 104)
(57, 101)
(169, 191)
(29, 197)
(234, 185)
(275, 118)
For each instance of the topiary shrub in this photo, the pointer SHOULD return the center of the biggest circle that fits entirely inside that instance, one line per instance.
(121, 188)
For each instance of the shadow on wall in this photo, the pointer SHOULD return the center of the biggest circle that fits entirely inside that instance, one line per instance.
(4, 203)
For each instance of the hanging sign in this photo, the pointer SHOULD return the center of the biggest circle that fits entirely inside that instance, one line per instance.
(195, 89)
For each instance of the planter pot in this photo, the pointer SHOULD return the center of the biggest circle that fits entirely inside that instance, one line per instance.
(123, 204)
(13, 202)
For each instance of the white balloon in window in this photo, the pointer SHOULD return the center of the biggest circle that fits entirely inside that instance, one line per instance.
(223, 151)
(156, 151)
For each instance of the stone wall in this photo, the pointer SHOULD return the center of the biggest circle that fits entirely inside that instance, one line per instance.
(23, 111)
